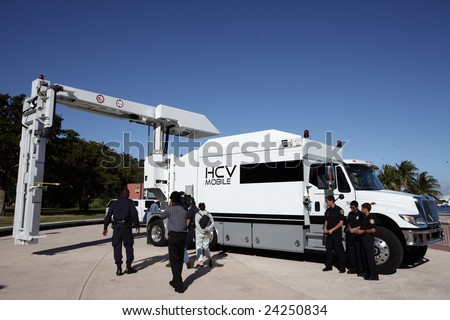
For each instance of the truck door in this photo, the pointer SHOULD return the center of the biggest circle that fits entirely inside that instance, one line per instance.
(327, 179)
(344, 188)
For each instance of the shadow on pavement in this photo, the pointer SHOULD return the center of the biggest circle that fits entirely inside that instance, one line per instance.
(316, 257)
(53, 251)
(147, 262)
(205, 270)
(415, 264)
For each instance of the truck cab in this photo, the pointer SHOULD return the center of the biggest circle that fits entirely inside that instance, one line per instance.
(407, 222)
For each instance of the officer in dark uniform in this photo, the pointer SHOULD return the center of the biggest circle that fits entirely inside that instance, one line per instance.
(123, 215)
(354, 239)
(190, 222)
(332, 227)
(367, 230)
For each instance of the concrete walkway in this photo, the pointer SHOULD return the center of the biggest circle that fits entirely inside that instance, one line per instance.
(77, 263)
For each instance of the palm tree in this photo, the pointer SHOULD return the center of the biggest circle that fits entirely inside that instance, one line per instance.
(407, 172)
(427, 185)
(405, 177)
(390, 177)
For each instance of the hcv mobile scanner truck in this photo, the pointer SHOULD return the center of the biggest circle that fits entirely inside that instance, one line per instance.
(265, 189)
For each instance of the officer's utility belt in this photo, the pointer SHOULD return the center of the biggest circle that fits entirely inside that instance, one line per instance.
(120, 221)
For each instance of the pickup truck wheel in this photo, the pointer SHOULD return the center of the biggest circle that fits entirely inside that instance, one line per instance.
(388, 251)
(156, 234)
(414, 253)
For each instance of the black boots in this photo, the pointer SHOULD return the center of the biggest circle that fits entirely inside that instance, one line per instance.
(119, 270)
(130, 269)
(179, 289)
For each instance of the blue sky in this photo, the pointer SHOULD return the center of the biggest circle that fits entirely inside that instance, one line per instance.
(375, 73)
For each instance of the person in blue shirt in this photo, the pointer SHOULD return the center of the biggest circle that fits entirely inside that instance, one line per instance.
(155, 207)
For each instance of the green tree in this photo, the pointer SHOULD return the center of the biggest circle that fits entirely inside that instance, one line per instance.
(426, 185)
(86, 170)
(10, 130)
(406, 177)
(407, 172)
(390, 177)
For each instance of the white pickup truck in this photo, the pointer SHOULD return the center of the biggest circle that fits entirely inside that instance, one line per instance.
(142, 206)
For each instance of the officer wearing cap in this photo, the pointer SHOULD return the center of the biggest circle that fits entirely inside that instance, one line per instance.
(354, 239)
(176, 226)
(123, 215)
(332, 228)
(367, 231)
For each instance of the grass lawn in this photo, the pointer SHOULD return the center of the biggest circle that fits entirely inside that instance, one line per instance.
(55, 215)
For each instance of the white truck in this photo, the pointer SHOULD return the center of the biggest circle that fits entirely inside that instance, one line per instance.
(265, 189)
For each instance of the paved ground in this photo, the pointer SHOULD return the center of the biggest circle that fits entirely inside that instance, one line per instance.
(77, 263)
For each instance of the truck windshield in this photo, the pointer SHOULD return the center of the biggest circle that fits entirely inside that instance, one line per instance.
(363, 177)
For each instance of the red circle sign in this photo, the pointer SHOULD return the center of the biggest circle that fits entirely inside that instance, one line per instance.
(100, 98)
(119, 103)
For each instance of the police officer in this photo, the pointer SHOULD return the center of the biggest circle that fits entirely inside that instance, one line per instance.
(190, 223)
(123, 215)
(177, 228)
(354, 239)
(332, 228)
(367, 230)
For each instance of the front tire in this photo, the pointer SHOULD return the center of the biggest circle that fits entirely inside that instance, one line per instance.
(388, 251)
(156, 233)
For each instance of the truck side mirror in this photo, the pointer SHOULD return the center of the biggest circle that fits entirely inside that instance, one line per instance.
(341, 196)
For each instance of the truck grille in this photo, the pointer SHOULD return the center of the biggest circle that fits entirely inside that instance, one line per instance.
(427, 208)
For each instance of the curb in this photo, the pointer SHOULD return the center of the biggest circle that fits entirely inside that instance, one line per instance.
(7, 231)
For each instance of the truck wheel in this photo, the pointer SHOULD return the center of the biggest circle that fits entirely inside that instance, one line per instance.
(156, 234)
(213, 241)
(388, 251)
(414, 253)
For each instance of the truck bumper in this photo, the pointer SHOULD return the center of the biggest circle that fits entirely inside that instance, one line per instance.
(423, 237)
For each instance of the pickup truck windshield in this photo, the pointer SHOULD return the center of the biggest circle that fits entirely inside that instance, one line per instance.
(363, 177)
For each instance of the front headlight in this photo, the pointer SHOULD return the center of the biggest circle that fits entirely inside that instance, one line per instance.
(416, 220)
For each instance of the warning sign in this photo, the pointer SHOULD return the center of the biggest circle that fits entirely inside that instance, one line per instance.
(100, 98)
(119, 103)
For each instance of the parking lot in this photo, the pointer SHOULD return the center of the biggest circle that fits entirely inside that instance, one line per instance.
(77, 264)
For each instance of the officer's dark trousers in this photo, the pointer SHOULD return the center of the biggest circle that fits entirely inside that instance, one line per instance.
(122, 234)
(177, 242)
(369, 264)
(354, 250)
(190, 236)
(334, 246)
